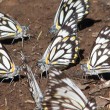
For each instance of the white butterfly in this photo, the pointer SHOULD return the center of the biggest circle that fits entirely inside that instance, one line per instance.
(33, 85)
(99, 59)
(63, 94)
(7, 66)
(9, 28)
(63, 49)
(34, 88)
(66, 9)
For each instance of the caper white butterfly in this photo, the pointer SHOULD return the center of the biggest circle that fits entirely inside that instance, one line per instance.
(7, 66)
(64, 47)
(66, 9)
(9, 28)
(63, 94)
(34, 88)
(99, 59)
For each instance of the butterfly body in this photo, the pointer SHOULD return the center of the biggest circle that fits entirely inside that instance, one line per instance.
(99, 60)
(7, 66)
(9, 28)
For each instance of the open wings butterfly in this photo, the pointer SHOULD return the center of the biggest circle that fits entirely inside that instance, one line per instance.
(63, 94)
(7, 66)
(9, 28)
(66, 9)
(63, 49)
(99, 59)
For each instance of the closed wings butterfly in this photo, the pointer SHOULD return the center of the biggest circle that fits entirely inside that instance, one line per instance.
(9, 28)
(66, 9)
(99, 60)
(63, 49)
(34, 88)
(63, 94)
(33, 85)
(7, 66)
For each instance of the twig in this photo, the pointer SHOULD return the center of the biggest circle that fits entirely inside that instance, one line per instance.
(39, 35)
(29, 101)
(37, 40)
(108, 99)
(5, 102)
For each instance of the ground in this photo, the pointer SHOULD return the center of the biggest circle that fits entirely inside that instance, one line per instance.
(39, 15)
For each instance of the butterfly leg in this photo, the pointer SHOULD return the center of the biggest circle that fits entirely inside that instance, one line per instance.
(27, 35)
(12, 41)
(3, 80)
(11, 81)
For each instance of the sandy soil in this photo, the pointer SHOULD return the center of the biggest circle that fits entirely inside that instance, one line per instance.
(39, 15)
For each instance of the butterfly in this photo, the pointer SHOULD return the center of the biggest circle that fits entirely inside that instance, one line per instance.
(9, 28)
(34, 88)
(99, 59)
(66, 9)
(33, 85)
(63, 94)
(7, 66)
(63, 49)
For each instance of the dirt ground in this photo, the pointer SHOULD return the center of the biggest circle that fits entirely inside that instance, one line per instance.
(39, 15)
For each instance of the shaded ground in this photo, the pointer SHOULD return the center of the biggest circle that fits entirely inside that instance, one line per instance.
(39, 14)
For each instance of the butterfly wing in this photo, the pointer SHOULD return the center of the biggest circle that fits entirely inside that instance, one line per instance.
(7, 66)
(9, 28)
(63, 46)
(66, 9)
(64, 52)
(63, 94)
(69, 28)
(61, 54)
(99, 61)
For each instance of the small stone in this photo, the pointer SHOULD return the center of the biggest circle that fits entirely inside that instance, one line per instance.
(94, 34)
(89, 30)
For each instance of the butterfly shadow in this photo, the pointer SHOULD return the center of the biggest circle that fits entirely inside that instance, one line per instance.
(13, 41)
(15, 79)
(105, 76)
(87, 22)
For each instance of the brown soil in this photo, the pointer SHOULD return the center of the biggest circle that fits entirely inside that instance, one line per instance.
(39, 15)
